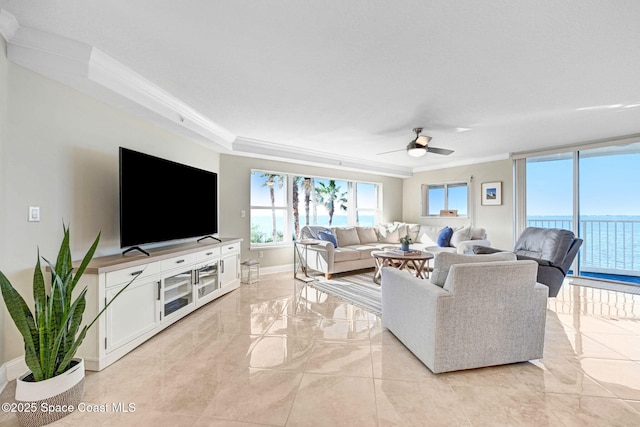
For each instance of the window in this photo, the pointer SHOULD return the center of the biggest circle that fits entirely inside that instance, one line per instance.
(588, 190)
(450, 196)
(268, 207)
(282, 204)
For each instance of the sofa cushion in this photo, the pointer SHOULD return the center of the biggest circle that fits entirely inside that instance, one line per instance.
(346, 236)
(445, 260)
(428, 235)
(444, 239)
(328, 236)
(460, 235)
(346, 254)
(367, 235)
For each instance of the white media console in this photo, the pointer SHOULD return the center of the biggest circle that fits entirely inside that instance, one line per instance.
(169, 284)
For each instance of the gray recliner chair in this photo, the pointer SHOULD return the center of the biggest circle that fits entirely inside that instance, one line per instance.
(554, 250)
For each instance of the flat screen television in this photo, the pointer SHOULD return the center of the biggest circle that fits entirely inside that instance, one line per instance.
(161, 200)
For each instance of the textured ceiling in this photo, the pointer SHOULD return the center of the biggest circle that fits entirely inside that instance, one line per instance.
(354, 77)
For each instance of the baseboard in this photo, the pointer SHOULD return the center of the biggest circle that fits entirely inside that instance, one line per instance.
(12, 370)
(284, 268)
(3, 378)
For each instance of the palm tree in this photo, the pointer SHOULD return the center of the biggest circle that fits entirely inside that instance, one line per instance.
(271, 181)
(294, 200)
(329, 195)
(307, 185)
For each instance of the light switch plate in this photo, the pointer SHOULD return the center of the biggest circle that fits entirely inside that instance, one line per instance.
(34, 214)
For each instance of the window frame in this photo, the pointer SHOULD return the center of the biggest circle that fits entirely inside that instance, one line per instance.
(288, 237)
(445, 185)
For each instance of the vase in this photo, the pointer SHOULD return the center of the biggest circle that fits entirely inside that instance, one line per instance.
(43, 402)
(404, 247)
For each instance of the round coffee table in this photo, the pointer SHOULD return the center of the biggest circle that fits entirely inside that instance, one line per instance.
(400, 260)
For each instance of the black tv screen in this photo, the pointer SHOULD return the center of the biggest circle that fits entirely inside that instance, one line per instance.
(161, 200)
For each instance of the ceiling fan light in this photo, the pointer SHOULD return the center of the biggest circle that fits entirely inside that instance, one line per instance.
(415, 150)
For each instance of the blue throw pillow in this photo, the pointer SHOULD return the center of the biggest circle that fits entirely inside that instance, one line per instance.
(444, 239)
(329, 237)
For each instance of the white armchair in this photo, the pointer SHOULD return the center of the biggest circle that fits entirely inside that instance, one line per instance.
(487, 313)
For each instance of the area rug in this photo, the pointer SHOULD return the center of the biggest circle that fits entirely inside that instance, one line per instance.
(357, 289)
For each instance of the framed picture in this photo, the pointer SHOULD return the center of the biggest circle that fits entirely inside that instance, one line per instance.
(492, 193)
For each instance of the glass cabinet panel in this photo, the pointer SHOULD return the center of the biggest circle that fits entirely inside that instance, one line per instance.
(207, 279)
(178, 292)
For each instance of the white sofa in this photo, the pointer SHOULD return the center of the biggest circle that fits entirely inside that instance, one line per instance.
(355, 244)
(485, 313)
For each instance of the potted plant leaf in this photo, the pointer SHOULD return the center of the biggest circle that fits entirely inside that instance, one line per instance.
(52, 334)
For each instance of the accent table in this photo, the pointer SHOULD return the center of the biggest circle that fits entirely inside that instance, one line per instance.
(415, 259)
(300, 260)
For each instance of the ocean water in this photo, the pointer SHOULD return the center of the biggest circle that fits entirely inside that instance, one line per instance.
(611, 242)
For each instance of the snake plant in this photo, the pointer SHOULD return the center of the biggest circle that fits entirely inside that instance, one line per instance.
(52, 332)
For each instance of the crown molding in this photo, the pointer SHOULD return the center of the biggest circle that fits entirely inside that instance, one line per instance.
(87, 69)
(503, 156)
(268, 150)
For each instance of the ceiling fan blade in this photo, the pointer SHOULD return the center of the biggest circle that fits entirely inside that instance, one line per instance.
(436, 150)
(392, 151)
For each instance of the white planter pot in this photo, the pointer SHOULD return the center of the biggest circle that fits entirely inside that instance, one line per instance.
(44, 402)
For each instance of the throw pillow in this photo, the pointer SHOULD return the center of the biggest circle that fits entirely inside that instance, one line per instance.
(444, 239)
(460, 235)
(445, 260)
(329, 237)
(367, 235)
(389, 233)
(346, 236)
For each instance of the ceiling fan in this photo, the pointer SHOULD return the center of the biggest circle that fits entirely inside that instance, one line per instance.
(419, 146)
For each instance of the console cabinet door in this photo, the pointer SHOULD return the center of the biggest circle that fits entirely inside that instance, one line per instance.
(207, 281)
(132, 314)
(229, 269)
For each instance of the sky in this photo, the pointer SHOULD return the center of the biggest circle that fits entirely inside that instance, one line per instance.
(609, 185)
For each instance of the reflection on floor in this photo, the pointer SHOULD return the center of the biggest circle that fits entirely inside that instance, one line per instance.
(280, 353)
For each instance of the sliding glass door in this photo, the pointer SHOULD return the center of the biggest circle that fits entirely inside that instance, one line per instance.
(610, 212)
(594, 193)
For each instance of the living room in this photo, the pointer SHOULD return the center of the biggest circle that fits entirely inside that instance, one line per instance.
(59, 152)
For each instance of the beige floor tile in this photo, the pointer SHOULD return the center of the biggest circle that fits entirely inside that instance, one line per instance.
(280, 353)
(289, 352)
(577, 344)
(347, 330)
(586, 323)
(589, 411)
(407, 403)
(300, 326)
(628, 346)
(254, 395)
(329, 400)
(502, 377)
(396, 362)
(621, 377)
(340, 358)
(504, 406)
(558, 375)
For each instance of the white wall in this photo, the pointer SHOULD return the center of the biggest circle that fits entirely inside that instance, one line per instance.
(235, 173)
(60, 152)
(4, 65)
(498, 220)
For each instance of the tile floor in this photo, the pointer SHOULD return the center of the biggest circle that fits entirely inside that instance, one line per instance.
(278, 353)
